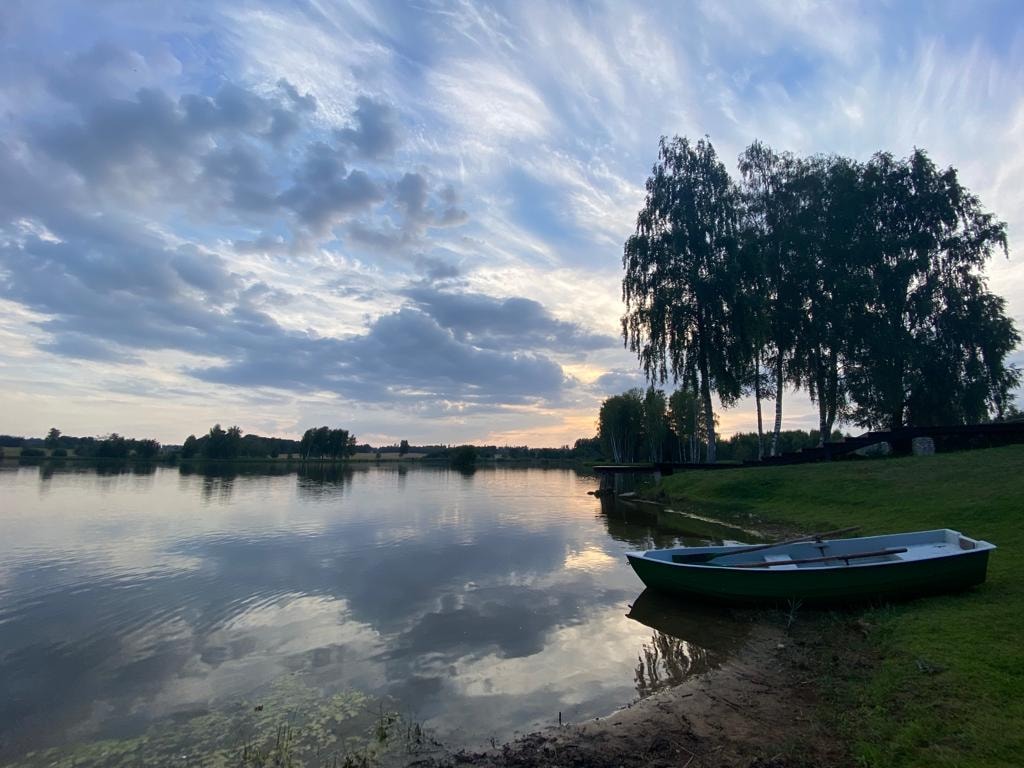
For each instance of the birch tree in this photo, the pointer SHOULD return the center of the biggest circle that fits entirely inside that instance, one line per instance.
(681, 274)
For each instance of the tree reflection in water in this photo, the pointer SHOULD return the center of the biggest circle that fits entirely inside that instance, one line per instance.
(323, 480)
(667, 661)
(688, 639)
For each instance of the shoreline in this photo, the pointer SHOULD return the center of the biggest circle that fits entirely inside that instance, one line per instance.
(756, 710)
(171, 462)
(931, 680)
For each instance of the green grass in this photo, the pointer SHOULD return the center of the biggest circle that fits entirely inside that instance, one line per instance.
(947, 686)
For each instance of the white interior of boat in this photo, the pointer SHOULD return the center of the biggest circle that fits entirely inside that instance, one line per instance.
(919, 545)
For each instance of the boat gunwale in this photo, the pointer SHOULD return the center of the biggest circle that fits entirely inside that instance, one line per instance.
(980, 546)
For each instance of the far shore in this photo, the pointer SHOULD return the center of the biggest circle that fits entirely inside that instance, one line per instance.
(8, 454)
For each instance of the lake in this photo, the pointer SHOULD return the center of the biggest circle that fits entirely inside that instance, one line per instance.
(166, 613)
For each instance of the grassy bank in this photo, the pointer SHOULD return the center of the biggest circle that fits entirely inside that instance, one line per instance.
(947, 688)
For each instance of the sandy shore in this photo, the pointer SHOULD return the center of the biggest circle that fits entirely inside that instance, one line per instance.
(757, 710)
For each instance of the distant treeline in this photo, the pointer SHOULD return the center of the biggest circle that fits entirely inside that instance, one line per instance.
(230, 443)
(58, 445)
(324, 442)
(581, 450)
(217, 443)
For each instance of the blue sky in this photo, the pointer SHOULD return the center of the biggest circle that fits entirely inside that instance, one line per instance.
(407, 219)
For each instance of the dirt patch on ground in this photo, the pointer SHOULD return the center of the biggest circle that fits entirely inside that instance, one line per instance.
(758, 710)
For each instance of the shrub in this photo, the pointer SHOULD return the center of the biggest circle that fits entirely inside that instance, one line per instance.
(463, 457)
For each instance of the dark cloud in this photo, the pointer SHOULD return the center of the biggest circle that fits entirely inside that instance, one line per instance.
(233, 108)
(415, 351)
(405, 356)
(203, 270)
(324, 190)
(222, 154)
(438, 270)
(81, 347)
(150, 132)
(494, 323)
(617, 381)
(110, 286)
(237, 176)
(107, 278)
(452, 215)
(265, 243)
(282, 125)
(411, 196)
(107, 70)
(384, 237)
(284, 121)
(267, 294)
(92, 258)
(375, 134)
(210, 153)
(191, 147)
(303, 103)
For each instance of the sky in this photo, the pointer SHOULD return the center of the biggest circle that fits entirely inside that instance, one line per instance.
(407, 219)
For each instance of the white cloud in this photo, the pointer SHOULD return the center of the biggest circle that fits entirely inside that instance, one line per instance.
(488, 105)
(542, 120)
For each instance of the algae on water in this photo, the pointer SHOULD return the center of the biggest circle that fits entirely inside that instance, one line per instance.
(289, 725)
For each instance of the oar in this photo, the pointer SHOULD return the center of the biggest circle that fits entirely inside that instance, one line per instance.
(705, 556)
(847, 558)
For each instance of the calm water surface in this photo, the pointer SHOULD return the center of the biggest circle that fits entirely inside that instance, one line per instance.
(178, 609)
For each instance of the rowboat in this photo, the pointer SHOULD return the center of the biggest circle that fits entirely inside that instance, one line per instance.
(816, 569)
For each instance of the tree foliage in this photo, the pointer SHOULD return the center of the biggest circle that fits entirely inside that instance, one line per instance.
(190, 447)
(681, 269)
(647, 426)
(862, 283)
(655, 423)
(147, 449)
(221, 443)
(768, 291)
(324, 442)
(463, 457)
(686, 426)
(113, 446)
(620, 425)
(931, 344)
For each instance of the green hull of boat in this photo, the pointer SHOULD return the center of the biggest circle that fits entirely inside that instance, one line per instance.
(888, 580)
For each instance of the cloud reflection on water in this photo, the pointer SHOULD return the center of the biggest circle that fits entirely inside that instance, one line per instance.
(468, 601)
